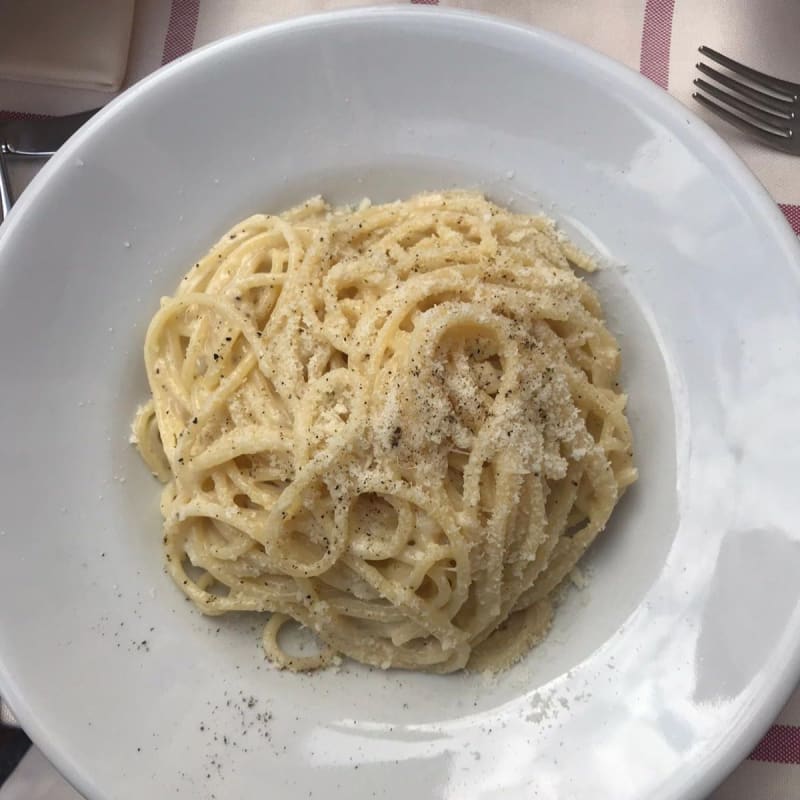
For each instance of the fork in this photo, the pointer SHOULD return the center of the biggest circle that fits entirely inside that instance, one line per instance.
(767, 106)
(33, 138)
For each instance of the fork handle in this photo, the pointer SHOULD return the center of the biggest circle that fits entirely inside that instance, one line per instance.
(5, 186)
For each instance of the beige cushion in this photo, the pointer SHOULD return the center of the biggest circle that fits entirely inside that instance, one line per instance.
(75, 43)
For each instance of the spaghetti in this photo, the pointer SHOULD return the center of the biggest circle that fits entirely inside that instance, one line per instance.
(397, 425)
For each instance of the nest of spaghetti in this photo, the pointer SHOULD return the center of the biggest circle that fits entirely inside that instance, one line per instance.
(396, 425)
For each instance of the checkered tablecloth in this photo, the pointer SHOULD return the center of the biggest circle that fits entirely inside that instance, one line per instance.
(659, 38)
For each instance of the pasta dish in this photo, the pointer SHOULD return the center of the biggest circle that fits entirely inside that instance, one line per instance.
(397, 425)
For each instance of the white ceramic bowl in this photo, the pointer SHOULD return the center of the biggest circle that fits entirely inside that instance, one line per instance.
(656, 680)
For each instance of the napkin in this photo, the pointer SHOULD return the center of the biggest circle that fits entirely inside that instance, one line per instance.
(69, 43)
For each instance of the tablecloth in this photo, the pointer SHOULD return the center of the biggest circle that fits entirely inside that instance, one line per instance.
(659, 38)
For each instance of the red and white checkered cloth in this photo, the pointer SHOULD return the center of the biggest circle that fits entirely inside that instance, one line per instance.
(659, 38)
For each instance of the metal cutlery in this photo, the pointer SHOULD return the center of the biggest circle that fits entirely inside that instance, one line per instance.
(761, 105)
(33, 138)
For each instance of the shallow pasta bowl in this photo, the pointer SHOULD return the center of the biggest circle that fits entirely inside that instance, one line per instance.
(656, 679)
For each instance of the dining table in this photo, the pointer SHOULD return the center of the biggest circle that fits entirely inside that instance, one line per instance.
(657, 38)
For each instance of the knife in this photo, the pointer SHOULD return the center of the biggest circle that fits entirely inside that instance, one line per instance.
(33, 138)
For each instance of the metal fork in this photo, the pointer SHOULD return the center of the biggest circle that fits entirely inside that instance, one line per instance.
(33, 138)
(767, 106)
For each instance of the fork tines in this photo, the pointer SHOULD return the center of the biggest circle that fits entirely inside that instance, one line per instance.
(759, 104)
